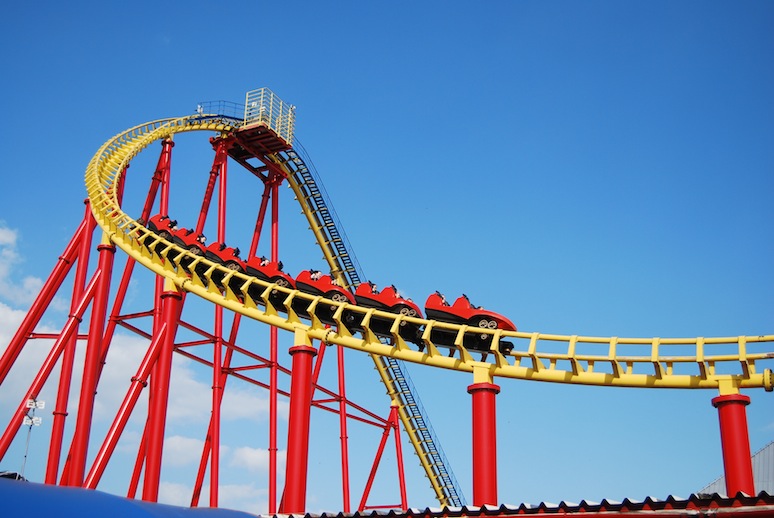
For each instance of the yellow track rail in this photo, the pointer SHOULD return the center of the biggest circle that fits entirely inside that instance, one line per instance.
(724, 363)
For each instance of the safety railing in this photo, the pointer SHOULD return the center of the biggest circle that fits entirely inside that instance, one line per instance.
(228, 109)
(263, 106)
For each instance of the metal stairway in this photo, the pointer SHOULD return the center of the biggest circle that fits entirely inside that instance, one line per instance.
(345, 267)
(433, 459)
(315, 199)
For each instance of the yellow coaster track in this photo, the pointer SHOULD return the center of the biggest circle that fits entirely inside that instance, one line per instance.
(723, 363)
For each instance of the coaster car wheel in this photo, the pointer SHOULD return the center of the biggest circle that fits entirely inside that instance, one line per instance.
(233, 265)
(279, 281)
(336, 296)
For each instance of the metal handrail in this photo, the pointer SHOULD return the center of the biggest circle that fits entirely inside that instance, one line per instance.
(263, 106)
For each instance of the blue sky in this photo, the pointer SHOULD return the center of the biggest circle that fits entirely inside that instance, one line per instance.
(595, 168)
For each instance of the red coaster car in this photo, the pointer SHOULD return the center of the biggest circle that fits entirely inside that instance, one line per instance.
(463, 312)
(269, 271)
(228, 256)
(315, 283)
(191, 241)
(368, 296)
(162, 226)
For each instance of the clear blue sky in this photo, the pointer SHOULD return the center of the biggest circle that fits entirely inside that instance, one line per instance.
(597, 168)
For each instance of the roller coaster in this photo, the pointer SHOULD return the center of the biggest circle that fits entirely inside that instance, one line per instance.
(338, 308)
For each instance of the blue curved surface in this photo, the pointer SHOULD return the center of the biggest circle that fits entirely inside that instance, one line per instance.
(20, 499)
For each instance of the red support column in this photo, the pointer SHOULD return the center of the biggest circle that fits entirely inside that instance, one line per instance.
(157, 408)
(68, 361)
(91, 368)
(163, 168)
(484, 443)
(274, 360)
(166, 315)
(735, 442)
(162, 171)
(294, 497)
(273, 398)
(217, 398)
(267, 189)
(221, 166)
(218, 163)
(207, 448)
(275, 219)
(96, 352)
(343, 431)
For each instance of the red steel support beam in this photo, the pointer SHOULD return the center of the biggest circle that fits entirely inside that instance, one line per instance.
(221, 166)
(162, 169)
(47, 292)
(392, 424)
(274, 361)
(735, 441)
(484, 443)
(161, 179)
(158, 326)
(273, 399)
(160, 176)
(139, 381)
(48, 365)
(91, 368)
(96, 352)
(374, 468)
(118, 303)
(217, 398)
(343, 437)
(275, 218)
(259, 220)
(171, 306)
(395, 421)
(151, 444)
(317, 368)
(219, 384)
(68, 360)
(220, 159)
(134, 482)
(207, 448)
(294, 497)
